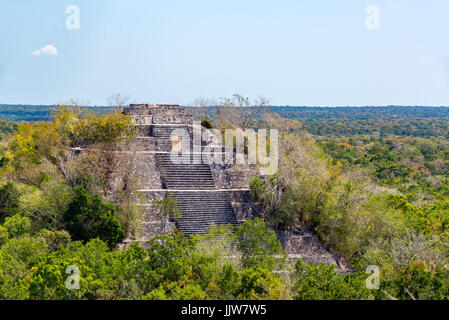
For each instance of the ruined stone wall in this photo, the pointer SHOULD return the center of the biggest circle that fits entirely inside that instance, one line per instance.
(244, 205)
(152, 224)
(300, 243)
(233, 176)
(158, 114)
(145, 117)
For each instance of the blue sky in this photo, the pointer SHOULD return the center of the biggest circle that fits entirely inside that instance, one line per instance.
(298, 52)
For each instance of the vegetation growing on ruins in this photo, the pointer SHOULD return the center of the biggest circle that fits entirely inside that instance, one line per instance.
(374, 199)
(167, 209)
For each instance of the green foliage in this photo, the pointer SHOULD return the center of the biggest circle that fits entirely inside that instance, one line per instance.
(284, 213)
(88, 217)
(373, 199)
(393, 173)
(48, 279)
(433, 218)
(44, 147)
(54, 239)
(261, 284)
(260, 191)
(322, 282)
(4, 236)
(4, 161)
(416, 281)
(9, 200)
(7, 128)
(411, 164)
(259, 245)
(17, 225)
(106, 128)
(188, 292)
(25, 145)
(167, 208)
(17, 258)
(207, 124)
(184, 269)
(47, 204)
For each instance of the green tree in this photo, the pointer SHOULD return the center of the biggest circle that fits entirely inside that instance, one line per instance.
(167, 209)
(4, 236)
(88, 217)
(417, 281)
(9, 200)
(261, 284)
(259, 245)
(54, 239)
(48, 279)
(17, 258)
(17, 225)
(322, 282)
(207, 124)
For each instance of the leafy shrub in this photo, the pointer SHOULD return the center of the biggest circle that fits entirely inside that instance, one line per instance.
(261, 284)
(416, 281)
(46, 205)
(9, 200)
(4, 162)
(259, 245)
(206, 124)
(322, 282)
(54, 239)
(88, 217)
(17, 225)
(3, 235)
(167, 209)
(282, 215)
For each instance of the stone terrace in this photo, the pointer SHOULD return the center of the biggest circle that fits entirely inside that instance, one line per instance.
(207, 194)
(193, 185)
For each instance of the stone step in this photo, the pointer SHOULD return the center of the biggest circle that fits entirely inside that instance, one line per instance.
(186, 206)
(201, 215)
(189, 187)
(209, 204)
(197, 180)
(180, 178)
(199, 209)
(201, 220)
(189, 173)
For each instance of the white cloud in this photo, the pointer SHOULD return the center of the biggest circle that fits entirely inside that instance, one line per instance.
(47, 50)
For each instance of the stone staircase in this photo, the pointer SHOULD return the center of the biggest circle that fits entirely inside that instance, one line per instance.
(184, 176)
(163, 135)
(192, 184)
(201, 209)
(207, 195)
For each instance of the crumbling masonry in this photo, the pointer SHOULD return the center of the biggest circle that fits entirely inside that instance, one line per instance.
(207, 194)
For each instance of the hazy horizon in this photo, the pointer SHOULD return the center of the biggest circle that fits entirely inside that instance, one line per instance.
(212, 106)
(321, 53)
